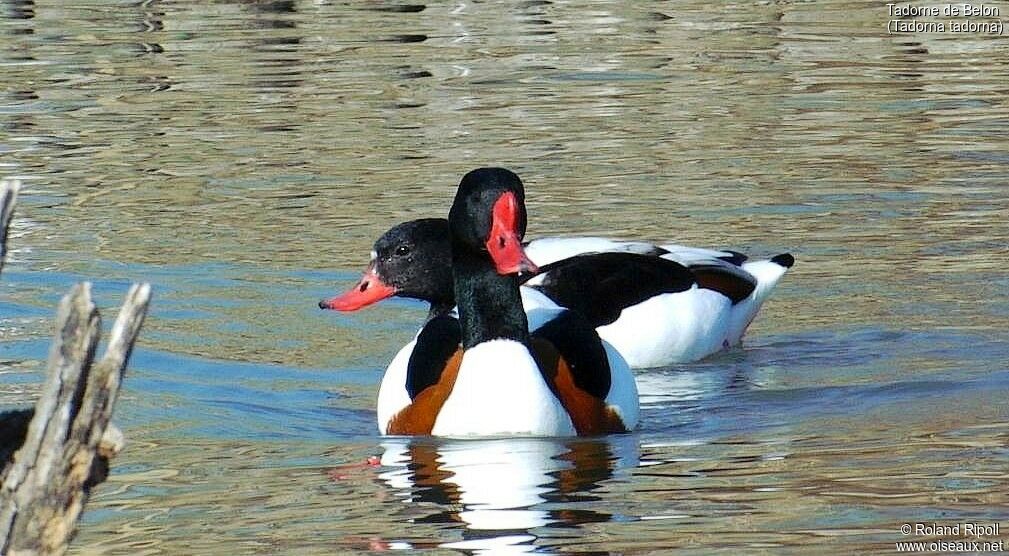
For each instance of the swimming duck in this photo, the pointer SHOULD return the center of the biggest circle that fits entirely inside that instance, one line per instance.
(497, 370)
(657, 305)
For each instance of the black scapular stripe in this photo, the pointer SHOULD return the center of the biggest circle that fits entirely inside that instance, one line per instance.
(729, 280)
(578, 343)
(436, 343)
(601, 285)
(734, 257)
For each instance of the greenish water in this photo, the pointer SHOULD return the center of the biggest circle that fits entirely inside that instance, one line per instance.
(242, 156)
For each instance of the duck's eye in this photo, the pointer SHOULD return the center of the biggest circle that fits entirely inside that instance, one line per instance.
(402, 250)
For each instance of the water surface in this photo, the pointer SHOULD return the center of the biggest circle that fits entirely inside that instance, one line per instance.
(242, 156)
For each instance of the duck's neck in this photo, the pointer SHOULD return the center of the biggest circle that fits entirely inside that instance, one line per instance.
(439, 308)
(490, 306)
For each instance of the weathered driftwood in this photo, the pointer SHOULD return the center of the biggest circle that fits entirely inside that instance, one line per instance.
(68, 442)
(8, 197)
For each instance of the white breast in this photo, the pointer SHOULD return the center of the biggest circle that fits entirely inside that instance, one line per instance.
(500, 391)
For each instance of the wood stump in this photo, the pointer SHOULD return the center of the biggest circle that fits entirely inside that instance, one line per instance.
(66, 441)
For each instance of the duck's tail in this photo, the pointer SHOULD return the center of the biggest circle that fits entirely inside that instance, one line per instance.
(768, 273)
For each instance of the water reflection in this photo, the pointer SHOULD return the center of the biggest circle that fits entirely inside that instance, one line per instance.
(500, 490)
(15, 103)
(274, 51)
(18, 9)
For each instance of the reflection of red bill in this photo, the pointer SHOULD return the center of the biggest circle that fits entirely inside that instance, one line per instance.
(342, 472)
(505, 245)
(371, 289)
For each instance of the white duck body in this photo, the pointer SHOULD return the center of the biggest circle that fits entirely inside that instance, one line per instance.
(671, 328)
(493, 377)
(768, 274)
(496, 373)
(487, 373)
(623, 394)
(674, 327)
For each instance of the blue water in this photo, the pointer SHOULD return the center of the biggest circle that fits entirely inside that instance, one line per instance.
(774, 381)
(848, 394)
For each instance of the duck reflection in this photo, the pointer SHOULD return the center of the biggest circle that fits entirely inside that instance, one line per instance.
(499, 490)
(673, 385)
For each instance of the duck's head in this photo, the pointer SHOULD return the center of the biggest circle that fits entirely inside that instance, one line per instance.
(412, 259)
(489, 216)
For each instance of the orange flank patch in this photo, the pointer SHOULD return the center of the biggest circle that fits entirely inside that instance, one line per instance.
(589, 414)
(419, 417)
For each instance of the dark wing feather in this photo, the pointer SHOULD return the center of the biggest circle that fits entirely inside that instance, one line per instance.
(727, 279)
(601, 285)
(437, 341)
(578, 343)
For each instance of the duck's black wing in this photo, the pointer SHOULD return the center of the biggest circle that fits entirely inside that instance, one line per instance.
(601, 285)
(437, 342)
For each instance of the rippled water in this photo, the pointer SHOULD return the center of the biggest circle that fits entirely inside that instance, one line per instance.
(242, 156)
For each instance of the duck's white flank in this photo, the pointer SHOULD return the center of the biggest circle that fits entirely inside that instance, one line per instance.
(670, 328)
(392, 394)
(500, 390)
(768, 274)
(623, 395)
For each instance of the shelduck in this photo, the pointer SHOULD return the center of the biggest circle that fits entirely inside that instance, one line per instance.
(497, 370)
(657, 305)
